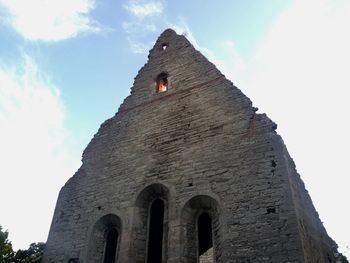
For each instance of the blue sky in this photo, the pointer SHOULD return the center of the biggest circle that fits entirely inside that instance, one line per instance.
(66, 65)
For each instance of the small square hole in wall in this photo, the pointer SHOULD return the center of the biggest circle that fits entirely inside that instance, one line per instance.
(271, 210)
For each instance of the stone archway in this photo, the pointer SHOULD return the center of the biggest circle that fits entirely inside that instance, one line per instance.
(104, 240)
(200, 211)
(147, 245)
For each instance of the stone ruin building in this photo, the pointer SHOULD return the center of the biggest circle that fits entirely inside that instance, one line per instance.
(186, 172)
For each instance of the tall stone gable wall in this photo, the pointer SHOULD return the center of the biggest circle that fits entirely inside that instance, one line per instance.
(200, 146)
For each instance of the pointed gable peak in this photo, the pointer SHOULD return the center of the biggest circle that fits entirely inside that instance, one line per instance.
(173, 65)
(167, 32)
(168, 39)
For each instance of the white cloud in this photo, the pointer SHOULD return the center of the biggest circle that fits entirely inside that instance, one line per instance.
(136, 34)
(49, 20)
(138, 28)
(145, 19)
(141, 9)
(138, 47)
(182, 28)
(35, 161)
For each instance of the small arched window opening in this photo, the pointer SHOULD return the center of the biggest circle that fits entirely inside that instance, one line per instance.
(104, 240)
(111, 246)
(201, 230)
(162, 83)
(155, 232)
(151, 217)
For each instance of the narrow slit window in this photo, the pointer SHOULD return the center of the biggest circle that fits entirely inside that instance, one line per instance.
(162, 83)
(155, 234)
(205, 238)
(111, 246)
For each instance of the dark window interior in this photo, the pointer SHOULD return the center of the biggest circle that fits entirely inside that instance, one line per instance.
(111, 246)
(155, 236)
(205, 236)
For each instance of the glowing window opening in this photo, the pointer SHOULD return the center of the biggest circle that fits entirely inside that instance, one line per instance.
(162, 83)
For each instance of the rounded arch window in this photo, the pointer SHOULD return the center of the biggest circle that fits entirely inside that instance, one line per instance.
(104, 240)
(162, 82)
(201, 230)
(151, 224)
(155, 231)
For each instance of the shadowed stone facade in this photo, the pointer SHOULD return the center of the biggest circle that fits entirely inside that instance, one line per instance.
(197, 148)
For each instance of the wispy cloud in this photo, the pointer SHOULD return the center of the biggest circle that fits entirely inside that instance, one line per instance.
(142, 9)
(139, 29)
(49, 20)
(33, 151)
(181, 27)
(231, 64)
(137, 36)
(133, 27)
(144, 20)
(138, 47)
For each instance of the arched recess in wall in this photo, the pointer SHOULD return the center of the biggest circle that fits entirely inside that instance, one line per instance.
(200, 224)
(162, 82)
(150, 225)
(104, 241)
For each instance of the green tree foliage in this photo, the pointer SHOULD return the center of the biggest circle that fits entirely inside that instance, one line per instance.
(343, 259)
(6, 251)
(32, 255)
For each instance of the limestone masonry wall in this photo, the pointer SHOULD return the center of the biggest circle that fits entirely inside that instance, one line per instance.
(199, 147)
